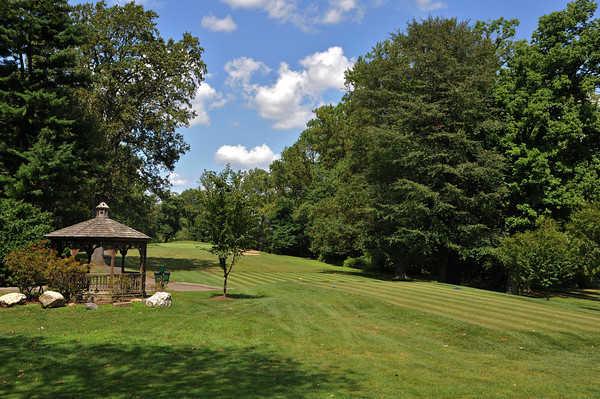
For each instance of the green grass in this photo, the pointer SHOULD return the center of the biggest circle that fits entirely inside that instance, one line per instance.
(307, 330)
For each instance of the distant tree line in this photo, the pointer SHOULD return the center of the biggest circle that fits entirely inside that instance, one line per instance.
(457, 153)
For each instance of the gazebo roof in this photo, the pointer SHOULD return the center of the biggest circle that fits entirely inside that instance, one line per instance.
(100, 227)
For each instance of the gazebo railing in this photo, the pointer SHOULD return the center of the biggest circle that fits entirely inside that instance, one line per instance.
(115, 285)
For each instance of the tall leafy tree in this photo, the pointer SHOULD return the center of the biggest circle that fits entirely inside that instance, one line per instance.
(141, 93)
(549, 93)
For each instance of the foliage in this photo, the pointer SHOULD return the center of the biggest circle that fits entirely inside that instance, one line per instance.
(541, 259)
(168, 219)
(67, 276)
(548, 92)
(584, 226)
(141, 92)
(428, 116)
(20, 224)
(48, 145)
(228, 217)
(27, 266)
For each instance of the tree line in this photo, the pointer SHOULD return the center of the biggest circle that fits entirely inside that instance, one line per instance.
(458, 152)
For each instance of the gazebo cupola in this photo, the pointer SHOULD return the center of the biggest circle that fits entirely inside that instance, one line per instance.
(102, 210)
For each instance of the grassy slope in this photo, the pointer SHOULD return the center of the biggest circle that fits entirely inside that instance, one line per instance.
(306, 330)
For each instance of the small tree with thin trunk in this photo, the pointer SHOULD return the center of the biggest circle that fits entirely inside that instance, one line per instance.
(228, 217)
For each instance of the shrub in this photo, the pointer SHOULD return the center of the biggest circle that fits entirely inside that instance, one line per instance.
(27, 267)
(20, 224)
(360, 262)
(67, 276)
(585, 227)
(540, 259)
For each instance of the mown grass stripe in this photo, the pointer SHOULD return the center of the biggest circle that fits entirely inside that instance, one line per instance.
(544, 319)
(497, 299)
(462, 312)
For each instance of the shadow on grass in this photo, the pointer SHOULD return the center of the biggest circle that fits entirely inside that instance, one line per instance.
(239, 296)
(374, 276)
(579, 294)
(36, 368)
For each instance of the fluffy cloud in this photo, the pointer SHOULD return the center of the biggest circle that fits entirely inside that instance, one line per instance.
(289, 101)
(241, 157)
(241, 70)
(430, 5)
(216, 24)
(206, 98)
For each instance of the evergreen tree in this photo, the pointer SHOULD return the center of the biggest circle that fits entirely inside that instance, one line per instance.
(423, 101)
(48, 145)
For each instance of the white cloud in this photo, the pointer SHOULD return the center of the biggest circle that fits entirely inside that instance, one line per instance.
(430, 5)
(338, 10)
(283, 10)
(241, 70)
(176, 180)
(216, 24)
(289, 102)
(304, 16)
(241, 157)
(206, 98)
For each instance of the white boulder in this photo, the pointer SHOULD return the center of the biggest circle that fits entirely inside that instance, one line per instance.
(52, 299)
(159, 300)
(14, 298)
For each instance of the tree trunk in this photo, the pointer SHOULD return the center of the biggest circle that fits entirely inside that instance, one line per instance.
(225, 276)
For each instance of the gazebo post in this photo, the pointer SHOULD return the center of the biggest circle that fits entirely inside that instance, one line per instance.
(143, 267)
(123, 251)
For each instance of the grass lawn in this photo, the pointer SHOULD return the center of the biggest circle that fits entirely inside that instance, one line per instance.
(303, 329)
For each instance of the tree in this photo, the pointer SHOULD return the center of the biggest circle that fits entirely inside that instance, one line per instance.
(548, 91)
(228, 217)
(423, 102)
(49, 153)
(543, 259)
(169, 217)
(141, 94)
(20, 224)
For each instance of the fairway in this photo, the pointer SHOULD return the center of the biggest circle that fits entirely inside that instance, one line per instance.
(301, 328)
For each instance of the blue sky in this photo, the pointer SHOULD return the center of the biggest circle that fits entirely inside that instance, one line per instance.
(270, 62)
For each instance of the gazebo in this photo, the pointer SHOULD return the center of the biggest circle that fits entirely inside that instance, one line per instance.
(104, 232)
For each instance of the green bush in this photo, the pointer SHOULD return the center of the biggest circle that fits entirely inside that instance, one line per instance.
(20, 224)
(67, 276)
(27, 267)
(540, 259)
(584, 226)
(356, 263)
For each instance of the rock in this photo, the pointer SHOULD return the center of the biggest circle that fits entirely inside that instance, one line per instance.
(159, 300)
(72, 305)
(8, 300)
(91, 306)
(52, 299)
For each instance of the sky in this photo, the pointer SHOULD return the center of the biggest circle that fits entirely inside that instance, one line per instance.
(271, 62)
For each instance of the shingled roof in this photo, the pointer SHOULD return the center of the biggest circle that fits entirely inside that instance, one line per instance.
(99, 227)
